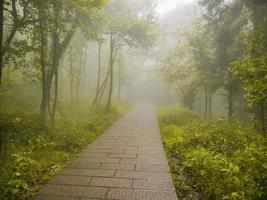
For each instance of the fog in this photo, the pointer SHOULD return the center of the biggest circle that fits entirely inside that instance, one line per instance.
(141, 52)
(188, 74)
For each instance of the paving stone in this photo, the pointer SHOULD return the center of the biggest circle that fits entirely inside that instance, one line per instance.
(121, 155)
(144, 175)
(151, 161)
(153, 185)
(118, 167)
(97, 146)
(92, 155)
(54, 198)
(73, 191)
(99, 160)
(88, 172)
(134, 194)
(154, 151)
(158, 156)
(84, 165)
(127, 162)
(111, 182)
(152, 168)
(70, 180)
(105, 150)
(126, 147)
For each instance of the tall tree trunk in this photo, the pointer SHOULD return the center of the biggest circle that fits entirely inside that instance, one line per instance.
(44, 100)
(98, 87)
(119, 84)
(1, 39)
(79, 75)
(55, 61)
(99, 67)
(55, 96)
(1, 61)
(84, 69)
(71, 80)
(111, 62)
(101, 90)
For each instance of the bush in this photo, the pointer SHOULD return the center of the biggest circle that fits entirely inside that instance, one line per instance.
(175, 115)
(219, 159)
(33, 153)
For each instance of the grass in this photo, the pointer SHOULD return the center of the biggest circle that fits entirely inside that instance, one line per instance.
(33, 153)
(213, 159)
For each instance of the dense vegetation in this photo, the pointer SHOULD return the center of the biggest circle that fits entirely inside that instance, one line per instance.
(61, 61)
(213, 158)
(33, 153)
(216, 144)
(223, 55)
(63, 64)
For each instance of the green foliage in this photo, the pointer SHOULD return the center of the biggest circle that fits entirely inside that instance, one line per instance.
(129, 26)
(216, 159)
(252, 67)
(33, 153)
(176, 115)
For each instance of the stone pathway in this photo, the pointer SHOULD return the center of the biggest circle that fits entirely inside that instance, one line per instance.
(127, 162)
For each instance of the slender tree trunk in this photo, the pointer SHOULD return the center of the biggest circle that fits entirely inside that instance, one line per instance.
(111, 62)
(79, 75)
(206, 103)
(55, 61)
(98, 87)
(44, 101)
(99, 67)
(71, 79)
(101, 90)
(1, 62)
(83, 75)
(55, 96)
(119, 84)
(1, 40)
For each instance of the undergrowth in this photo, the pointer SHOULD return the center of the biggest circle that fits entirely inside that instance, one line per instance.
(32, 153)
(214, 159)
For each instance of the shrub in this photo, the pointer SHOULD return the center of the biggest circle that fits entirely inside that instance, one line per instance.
(220, 159)
(33, 153)
(175, 115)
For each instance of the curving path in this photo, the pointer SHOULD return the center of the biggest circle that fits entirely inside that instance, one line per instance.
(127, 162)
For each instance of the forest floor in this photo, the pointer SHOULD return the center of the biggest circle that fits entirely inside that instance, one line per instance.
(213, 158)
(126, 162)
(33, 153)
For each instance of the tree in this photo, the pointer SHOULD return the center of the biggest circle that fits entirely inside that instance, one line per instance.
(181, 73)
(225, 21)
(251, 68)
(60, 19)
(16, 20)
(201, 45)
(127, 27)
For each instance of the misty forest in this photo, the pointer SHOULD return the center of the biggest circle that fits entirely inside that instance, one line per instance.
(133, 99)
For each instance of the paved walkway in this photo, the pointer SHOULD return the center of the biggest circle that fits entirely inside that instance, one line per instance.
(127, 162)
